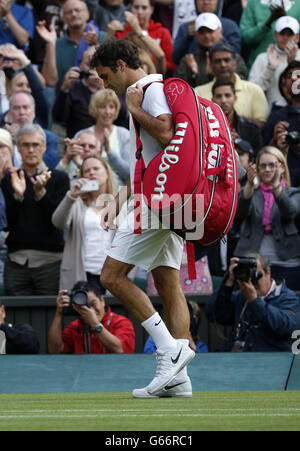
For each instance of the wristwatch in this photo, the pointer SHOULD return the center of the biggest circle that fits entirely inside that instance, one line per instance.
(98, 328)
(143, 34)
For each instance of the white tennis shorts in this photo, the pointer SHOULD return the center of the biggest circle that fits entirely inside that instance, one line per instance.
(148, 250)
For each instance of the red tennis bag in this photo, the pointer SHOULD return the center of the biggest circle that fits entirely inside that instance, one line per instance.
(192, 184)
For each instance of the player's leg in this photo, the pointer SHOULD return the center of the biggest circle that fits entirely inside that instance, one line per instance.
(177, 319)
(177, 316)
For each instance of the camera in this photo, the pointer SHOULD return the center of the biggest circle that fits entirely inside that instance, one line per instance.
(77, 297)
(293, 138)
(84, 73)
(247, 269)
(90, 185)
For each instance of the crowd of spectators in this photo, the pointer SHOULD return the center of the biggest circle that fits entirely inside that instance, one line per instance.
(59, 129)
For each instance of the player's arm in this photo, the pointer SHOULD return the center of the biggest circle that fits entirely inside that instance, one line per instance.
(160, 127)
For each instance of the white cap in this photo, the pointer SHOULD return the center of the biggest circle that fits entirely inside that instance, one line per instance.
(287, 22)
(208, 20)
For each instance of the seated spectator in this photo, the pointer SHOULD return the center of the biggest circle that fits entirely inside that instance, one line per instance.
(16, 24)
(286, 120)
(194, 342)
(267, 212)
(258, 22)
(195, 67)
(31, 194)
(21, 112)
(72, 102)
(145, 28)
(107, 331)
(223, 93)
(268, 66)
(115, 140)
(251, 101)
(18, 339)
(186, 41)
(262, 314)
(77, 150)
(108, 11)
(27, 79)
(80, 212)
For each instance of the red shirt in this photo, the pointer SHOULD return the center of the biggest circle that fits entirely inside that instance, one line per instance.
(121, 327)
(161, 35)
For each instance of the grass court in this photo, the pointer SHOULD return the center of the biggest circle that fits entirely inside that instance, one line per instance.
(205, 411)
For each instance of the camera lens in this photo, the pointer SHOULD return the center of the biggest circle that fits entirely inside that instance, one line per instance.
(80, 298)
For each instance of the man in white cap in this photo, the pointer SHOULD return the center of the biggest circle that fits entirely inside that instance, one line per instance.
(268, 66)
(195, 67)
(186, 40)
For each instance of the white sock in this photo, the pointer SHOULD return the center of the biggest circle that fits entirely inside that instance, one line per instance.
(157, 329)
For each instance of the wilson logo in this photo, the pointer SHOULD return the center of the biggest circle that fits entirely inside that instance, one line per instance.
(213, 149)
(168, 158)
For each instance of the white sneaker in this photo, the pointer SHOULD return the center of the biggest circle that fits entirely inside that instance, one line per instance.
(168, 365)
(177, 388)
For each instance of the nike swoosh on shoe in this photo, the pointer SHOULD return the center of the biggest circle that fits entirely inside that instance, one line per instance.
(169, 387)
(177, 358)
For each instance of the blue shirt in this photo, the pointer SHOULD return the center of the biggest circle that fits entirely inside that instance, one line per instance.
(24, 17)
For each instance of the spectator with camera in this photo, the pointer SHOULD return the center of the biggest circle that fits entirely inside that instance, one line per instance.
(97, 331)
(79, 213)
(262, 314)
(31, 194)
(283, 125)
(267, 208)
(76, 151)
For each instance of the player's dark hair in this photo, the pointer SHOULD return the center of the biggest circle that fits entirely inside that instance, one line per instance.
(112, 50)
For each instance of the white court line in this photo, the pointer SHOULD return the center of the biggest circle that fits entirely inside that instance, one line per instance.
(159, 410)
(154, 415)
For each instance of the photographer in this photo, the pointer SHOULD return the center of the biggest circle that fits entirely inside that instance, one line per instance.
(97, 331)
(263, 315)
(282, 126)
